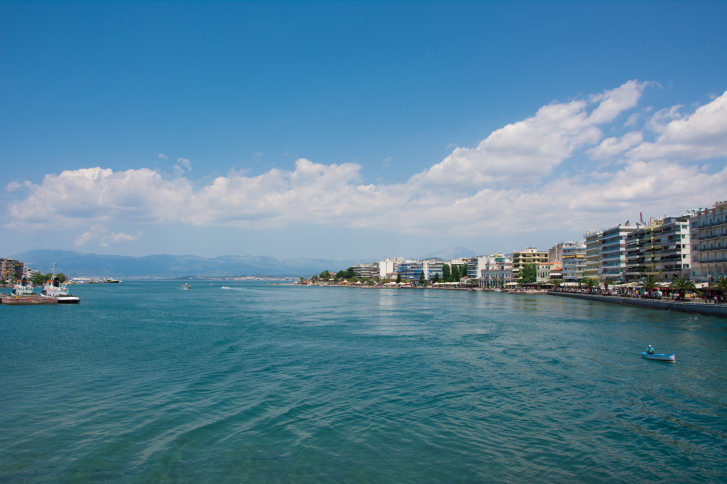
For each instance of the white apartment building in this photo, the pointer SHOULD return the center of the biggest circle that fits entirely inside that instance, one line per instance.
(431, 268)
(660, 249)
(708, 228)
(367, 270)
(573, 257)
(388, 267)
(612, 251)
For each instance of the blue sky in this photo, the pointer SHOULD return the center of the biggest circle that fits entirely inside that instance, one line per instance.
(353, 130)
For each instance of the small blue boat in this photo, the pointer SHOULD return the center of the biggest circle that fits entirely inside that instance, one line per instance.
(659, 356)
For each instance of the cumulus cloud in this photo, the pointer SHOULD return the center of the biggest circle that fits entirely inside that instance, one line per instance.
(502, 184)
(522, 153)
(610, 147)
(699, 136)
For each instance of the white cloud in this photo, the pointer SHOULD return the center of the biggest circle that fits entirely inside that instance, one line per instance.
(182, 166)
(162, 156)
(503, 184)
(610, 147)
(522, 153)
(100, 234)
(699, 136)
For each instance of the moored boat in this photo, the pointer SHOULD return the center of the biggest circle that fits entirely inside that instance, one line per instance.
(57, 290)
(22, 288)
(659, 356)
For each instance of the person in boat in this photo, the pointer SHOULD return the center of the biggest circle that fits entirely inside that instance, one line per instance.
(650, 350)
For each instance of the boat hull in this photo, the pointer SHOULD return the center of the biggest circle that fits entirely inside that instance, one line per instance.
(659, 356)
(26, 300)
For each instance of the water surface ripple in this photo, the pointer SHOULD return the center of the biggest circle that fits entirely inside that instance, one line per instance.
(273, 383)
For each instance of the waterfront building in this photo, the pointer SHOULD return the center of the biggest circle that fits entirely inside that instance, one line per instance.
(573, 255)
(11, 270)
(431, 268)
(660, 249)
(548, 272)
(612, 252)
(388, 267)
(593, 255)
(410, 270)
(367, 270)
(520, 258)
(708, 228)
(497, 272)
(475, 266)
(555, 253)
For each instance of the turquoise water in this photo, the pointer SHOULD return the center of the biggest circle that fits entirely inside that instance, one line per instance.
(146, 382)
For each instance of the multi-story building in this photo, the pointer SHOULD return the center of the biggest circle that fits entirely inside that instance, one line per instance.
(367, 270)
(388, 267)
(555, 253)
(521, 258)
(573, 256)
(410, 270)
(612, 252)
(660, 249)
(548, 272)
(708, 228)
(432, 268)
(593, 254)
(11, 270)
(496, 272)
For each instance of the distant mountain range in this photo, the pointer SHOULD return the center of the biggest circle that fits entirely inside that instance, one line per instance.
(75, 264)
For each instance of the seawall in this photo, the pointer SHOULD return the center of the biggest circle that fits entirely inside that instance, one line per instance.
(687, 307)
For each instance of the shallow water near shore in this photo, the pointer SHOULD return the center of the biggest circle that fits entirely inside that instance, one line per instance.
(273, 383)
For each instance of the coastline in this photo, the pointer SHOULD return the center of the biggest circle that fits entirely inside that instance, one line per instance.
(683, 306)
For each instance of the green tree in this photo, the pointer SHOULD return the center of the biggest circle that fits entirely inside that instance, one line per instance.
(398, 278)
(38, 279)
(682, 285)
(446, 273)
(325, 275)
(350, 273)
(341, 275)
(435, 279)
(722, 286)
(589, 282)
(528, 274)
(421, 277)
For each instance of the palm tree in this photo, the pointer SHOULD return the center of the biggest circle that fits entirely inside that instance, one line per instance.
(650, 284)
(722, 286)
(682, 285)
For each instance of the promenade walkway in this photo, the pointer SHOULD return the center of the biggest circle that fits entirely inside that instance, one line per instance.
(684, 306)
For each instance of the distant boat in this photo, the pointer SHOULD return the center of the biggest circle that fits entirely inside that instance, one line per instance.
(659, 356)
(186, 286)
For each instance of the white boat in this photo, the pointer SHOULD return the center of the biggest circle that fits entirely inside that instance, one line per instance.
(57, 290)
(22, 288)
(659, 356)
(186, 286)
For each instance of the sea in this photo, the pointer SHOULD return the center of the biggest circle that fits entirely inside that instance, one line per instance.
(258, 382)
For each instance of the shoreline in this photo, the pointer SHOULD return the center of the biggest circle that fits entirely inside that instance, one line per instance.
(682, 306)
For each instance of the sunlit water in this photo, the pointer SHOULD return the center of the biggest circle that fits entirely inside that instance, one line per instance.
(270, 383)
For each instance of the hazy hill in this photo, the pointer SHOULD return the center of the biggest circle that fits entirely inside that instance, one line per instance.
(75, 264)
